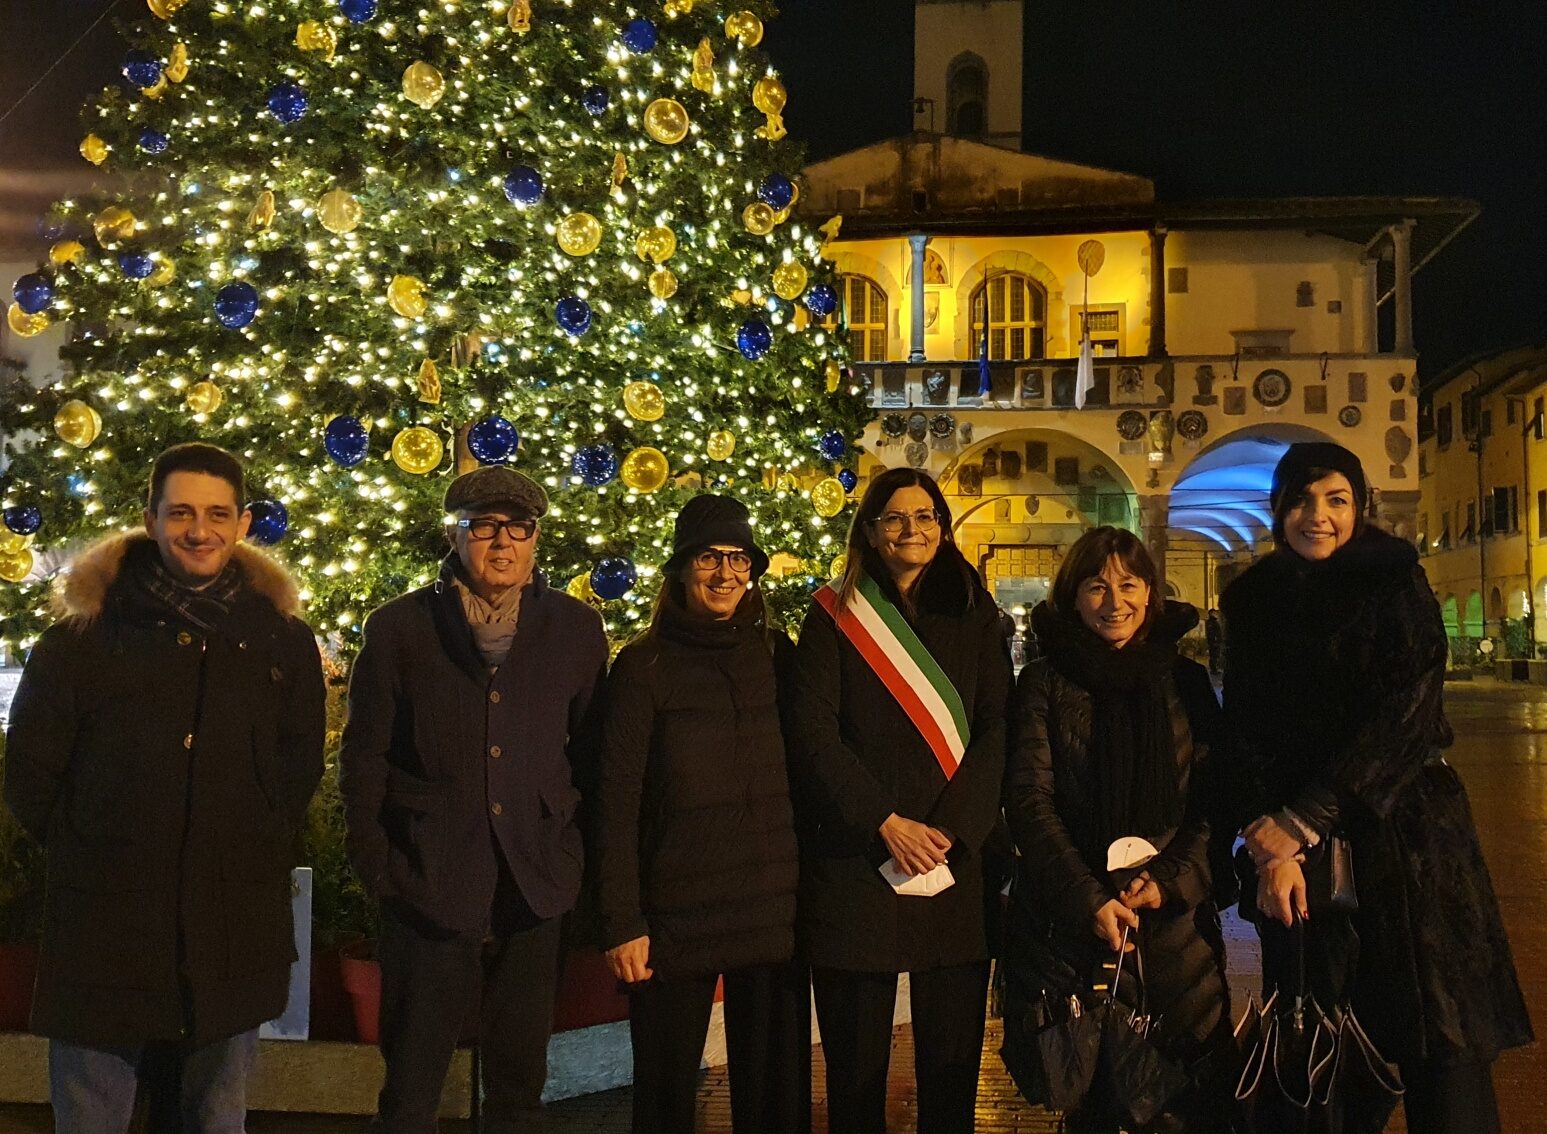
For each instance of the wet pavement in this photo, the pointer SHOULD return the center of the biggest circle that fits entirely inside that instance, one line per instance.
(1501, 753)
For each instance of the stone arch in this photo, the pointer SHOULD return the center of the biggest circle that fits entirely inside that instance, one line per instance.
(966, 96)
(1495, 604)
(1452, 619)
(1055, 343)
(1472, 616)
(1517, 604)
(849, 262)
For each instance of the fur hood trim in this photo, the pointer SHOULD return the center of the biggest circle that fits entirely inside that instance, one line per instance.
(80, 592)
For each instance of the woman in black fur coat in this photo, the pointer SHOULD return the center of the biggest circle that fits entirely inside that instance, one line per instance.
(1334, 680)
(1110, 737)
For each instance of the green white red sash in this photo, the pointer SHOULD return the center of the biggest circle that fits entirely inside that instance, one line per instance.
(910, 673)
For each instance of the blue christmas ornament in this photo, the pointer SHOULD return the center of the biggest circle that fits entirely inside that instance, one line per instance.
(346, 440)
(523, 186)
(236, 304)
(153, 141)
(136, 265)
(777, 191)
(23, 519)
(142, 68)
(270, 521)
(822, 300)
(613, 577)
(753, 339)
(831, 445)
(595, 464)
(640, 36)
(573, 314)
(33, 292)
(493, 440)
(596, 100)
(287, 102)
(848, 478)
(357, 11)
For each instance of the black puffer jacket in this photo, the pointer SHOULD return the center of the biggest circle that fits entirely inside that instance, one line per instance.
(1049, 799)
(695, 840)
(857, 758)
(1334, 691)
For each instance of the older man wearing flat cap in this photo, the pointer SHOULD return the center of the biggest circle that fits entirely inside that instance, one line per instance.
(458, 771)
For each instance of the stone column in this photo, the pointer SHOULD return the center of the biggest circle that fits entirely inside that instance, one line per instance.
(1370, 267)
(1402, 257)
(1154, 515)
(1158, 291)
(919, 241)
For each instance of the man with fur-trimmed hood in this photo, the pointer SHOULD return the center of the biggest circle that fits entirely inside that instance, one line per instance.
(164, 743)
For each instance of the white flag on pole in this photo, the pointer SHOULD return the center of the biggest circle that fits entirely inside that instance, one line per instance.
(1085, 373)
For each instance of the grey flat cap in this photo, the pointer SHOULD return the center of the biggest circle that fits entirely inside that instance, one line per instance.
(494, 486)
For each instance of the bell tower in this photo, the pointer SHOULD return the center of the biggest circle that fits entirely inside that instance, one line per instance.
(967, 59)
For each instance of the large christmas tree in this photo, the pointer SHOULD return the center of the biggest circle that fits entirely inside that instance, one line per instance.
(363, 242)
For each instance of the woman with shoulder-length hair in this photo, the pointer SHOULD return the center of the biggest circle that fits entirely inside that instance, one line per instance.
(1109, 740)
(1335, 659)
(897, 753)
(695, 838)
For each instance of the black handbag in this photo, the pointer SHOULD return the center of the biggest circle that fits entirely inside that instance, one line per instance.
(1329, 877)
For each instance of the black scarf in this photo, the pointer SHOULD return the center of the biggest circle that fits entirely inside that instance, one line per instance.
(204, 609)
(1132, 745)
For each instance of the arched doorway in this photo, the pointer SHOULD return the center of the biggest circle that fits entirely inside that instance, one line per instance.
(1472, 618)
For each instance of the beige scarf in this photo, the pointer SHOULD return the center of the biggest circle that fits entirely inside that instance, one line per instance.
(493, 623)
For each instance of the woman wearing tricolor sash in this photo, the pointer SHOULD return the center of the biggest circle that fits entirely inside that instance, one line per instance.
(896, 740)
(1105, 799)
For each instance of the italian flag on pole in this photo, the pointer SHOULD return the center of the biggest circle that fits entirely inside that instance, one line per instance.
(889, 646)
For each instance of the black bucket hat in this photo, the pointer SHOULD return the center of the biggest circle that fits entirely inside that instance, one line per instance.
(708, 520)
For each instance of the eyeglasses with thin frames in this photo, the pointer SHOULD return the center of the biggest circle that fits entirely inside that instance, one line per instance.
(710, 559)
(924, 520)
(483, 528)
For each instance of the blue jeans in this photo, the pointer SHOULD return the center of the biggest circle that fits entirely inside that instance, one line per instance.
(93, 1089)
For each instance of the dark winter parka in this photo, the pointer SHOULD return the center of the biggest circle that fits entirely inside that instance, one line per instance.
(1334, 706)
(695, 839)
(855, 758)
(167, 773)
(443, 760)
(1050, 798)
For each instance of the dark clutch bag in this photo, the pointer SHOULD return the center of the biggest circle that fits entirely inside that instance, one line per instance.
(1329, 877)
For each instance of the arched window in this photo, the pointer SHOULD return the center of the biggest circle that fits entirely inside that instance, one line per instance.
(864, 313)
(967, 96)
(1017, 317)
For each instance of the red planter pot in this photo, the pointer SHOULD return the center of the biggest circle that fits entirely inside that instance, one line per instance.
(18, 973)
(332, 1013)
(362, 981)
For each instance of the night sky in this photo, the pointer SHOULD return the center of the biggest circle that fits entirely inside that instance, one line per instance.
(1207, 98)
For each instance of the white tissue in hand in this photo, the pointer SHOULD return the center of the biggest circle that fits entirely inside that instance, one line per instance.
(1127, 853)
(917, 885)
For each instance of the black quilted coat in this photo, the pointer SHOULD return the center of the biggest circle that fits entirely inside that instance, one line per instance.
(1334, 705)
(1049, 797)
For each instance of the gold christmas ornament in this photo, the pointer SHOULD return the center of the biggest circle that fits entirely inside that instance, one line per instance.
(580, 234)
(580, 588)
(745, 28)
(663, 283)
(703, 66)
(339, 212)
(758, 218)
(675, 8)
(405, 295)
(645, 469)
(177, 64)
(316, 38)
(769, 96)
(164, 9)
(789, 279)
(741, 297)
(666, 120)
(77, 423)
(423, 85)
(66, 252)
(113, 225)
(15, 565)
(828, 497)
(12, 541)
(26, 326)
(93, 149)
(165, 272)
(840, 564)
(721, 444)
(833, 373)
(204, 397)
(656, 244)
(417, 450)
(262, 214)
(156, 90)
(801, 319)
(644, 401)
(428, 382)
(520, 17)
(619, 171)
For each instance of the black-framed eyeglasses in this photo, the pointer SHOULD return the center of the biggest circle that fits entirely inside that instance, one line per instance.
(924, 520)
(484, 528)
(710, 559)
